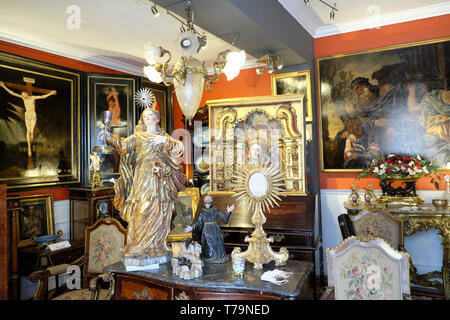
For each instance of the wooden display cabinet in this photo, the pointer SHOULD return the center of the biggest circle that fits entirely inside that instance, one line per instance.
(199, 171)
(292, 226)
(87, 206)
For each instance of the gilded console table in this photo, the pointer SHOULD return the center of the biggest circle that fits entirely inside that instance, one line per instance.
(416, 218)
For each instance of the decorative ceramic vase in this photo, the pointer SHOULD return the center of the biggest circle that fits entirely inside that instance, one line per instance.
(409, 190)
(238, 266)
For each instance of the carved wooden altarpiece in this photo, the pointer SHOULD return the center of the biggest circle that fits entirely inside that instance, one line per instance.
(274, 123)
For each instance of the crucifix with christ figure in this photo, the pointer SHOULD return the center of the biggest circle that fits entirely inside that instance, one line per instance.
(29, 103)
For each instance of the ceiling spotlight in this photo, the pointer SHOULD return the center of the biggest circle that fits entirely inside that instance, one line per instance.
(189, 75)
(155, 11)
(333, 8)
(279, 63)
(332, 14)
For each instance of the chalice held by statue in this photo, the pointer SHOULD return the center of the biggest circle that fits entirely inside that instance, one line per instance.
(106, 120)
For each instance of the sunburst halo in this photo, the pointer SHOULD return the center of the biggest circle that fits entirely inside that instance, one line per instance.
(144, 98)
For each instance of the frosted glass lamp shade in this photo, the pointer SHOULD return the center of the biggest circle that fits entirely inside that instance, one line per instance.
(189, 93)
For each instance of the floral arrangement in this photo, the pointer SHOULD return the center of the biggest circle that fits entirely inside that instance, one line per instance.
(401, 166)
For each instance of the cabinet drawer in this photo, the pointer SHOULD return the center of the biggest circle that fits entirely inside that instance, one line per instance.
(301, 255)
(141, 290)
(183, 294)
(304, 239)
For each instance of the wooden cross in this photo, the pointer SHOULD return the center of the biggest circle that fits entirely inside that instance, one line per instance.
(28, 87)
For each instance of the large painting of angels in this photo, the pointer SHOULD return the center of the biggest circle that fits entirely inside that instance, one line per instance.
(384, 101)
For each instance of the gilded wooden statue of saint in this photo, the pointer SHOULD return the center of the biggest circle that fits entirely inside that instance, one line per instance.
(147, 189)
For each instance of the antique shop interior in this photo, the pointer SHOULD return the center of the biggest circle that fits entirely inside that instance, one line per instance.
(225, 150)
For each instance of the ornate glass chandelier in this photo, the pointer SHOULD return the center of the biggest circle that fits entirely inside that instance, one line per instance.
(189, 75)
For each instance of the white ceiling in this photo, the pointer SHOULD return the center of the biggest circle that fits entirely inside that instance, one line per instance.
(113, 32)
(353, 15)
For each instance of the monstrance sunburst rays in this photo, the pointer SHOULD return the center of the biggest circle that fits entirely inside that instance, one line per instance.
(273, 192)
(258, 188)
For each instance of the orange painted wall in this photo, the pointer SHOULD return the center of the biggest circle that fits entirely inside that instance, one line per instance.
(414, 31)
(58, 193)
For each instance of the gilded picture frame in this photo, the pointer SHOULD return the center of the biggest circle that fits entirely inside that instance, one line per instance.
(389, 100)
(185, 209)
(39, 123)
(298, 82)
(266, 129)
(116, 93)
(35, 218)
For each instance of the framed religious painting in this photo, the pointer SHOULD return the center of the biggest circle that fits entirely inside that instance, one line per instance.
(39, 123)
(267, 130)
(35, 218)
(298, 82)
(392, 100)
(164, 100)
(114, 93)
(185, 209)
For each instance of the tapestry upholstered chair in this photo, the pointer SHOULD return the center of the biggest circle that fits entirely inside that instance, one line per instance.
(103, 241)
(367, 269)
(370, 223)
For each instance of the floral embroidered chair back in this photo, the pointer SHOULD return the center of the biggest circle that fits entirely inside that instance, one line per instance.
(368, 269)
(379, 224)
(104, 239)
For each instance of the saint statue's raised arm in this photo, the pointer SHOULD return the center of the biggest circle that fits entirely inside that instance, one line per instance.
(30, 110)
(150, 179)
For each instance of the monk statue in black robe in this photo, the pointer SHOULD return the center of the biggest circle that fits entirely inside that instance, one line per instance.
(213, 248)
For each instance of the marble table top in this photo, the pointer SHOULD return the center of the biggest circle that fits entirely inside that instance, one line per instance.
(425, 208)
(221, 276)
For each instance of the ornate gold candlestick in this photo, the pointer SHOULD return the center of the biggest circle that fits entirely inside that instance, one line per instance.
(258, 187)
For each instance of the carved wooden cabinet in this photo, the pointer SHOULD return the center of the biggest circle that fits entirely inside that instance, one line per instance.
(4, 247)
(199, 130)
(34, 258)
(12, 207)
(216, 283)
(292, 226)
(86, 206)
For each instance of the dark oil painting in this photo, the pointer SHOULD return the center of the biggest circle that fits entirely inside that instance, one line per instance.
(39, 138)
(386, 101)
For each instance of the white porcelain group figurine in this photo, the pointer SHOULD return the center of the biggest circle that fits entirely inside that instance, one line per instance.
(94, 162)
(186, 261)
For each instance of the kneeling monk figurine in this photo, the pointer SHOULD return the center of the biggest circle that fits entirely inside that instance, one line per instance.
(149, 182)
(213, 249)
